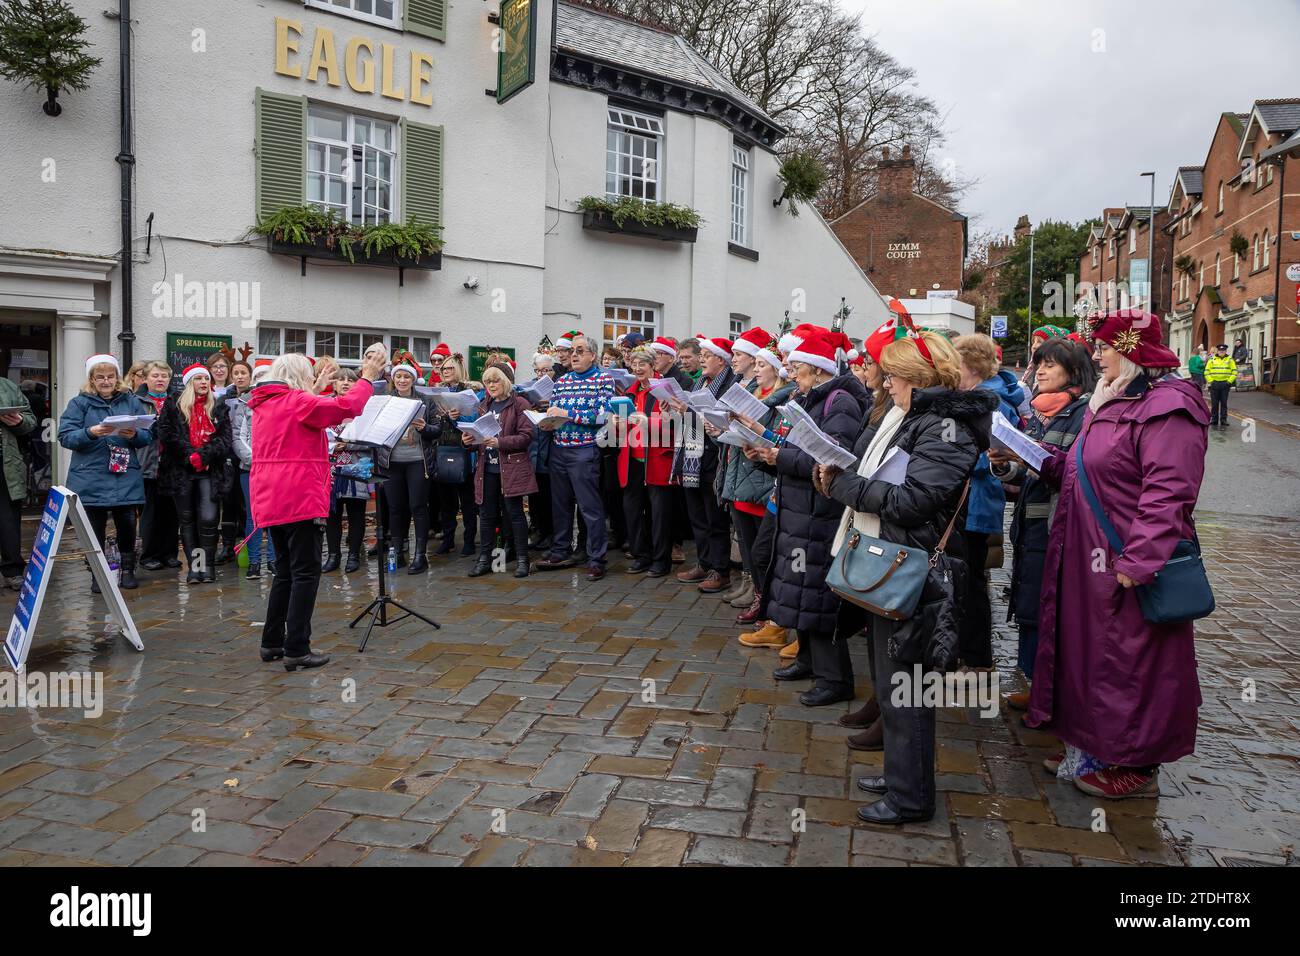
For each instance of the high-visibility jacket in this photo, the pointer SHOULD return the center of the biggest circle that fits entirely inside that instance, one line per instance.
(1221, 368)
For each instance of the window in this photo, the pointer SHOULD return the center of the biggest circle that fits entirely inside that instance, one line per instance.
(1236, 266)
(1269, 169)
(376, 11)
(624, 317)
(1094, 257)
(739, 195)
(1132, 239)
(633, 147)
(1218, 272)
(1220, 195)
(1254, 243)
(352, 165)
(1110, 248)
(346, 345)
(739, 325)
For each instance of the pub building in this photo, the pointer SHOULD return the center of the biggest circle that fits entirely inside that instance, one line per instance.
(487, 122)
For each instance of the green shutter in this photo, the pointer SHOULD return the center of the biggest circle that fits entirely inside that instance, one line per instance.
(281, 151)
(421, 172)
(427, 18)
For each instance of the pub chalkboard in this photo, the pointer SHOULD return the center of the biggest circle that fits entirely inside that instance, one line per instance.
(186, 348)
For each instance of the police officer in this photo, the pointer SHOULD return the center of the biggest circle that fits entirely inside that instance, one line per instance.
(1221, 374)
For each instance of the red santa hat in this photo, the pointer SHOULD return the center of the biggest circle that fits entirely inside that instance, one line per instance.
(790, 341)
(441, 350)
(406, 363)
(719, 347)
(817, 351)
(772, 359)
(103, 359)
(854, 357)
(875, 343)
(665, 344)
(751, 342)
(198, 368)
(565, 341)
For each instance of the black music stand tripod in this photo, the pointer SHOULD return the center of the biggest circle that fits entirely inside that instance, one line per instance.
(378, 608)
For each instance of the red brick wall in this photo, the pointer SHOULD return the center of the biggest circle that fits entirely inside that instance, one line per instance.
(892, 218)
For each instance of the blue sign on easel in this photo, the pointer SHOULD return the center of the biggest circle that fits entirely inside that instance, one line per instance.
(998, 326)
(60, 506)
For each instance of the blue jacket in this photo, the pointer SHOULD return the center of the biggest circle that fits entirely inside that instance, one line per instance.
(988, 500)
(88, 473)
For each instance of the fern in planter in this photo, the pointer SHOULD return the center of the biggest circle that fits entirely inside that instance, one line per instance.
(1238, 244)
(43, 45)
(646, 213)
(802, 176)
(1185, 264)
(306, 225)
(412, 240)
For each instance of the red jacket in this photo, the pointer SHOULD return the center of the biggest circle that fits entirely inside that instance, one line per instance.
(289, 479)
(656, 436)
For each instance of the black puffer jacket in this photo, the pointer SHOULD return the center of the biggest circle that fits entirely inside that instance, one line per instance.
(174, 469)
(795, 591)
(943, 434)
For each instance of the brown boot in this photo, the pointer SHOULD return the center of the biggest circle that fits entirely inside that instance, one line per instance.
(750, 615)
(769, 635)
(863, 717)
(873, 738)
(790, 651)
(692, 576)
(714, 582)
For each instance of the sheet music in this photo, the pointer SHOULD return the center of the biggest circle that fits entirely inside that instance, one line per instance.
(121, 423)
(537, 418)
(538, 390)
(741, 401)
(1008, 436)
(893, 468)
(622, 377)
(740, 435)
(805, 435)
(456, 404)
(482, 428)
(667, 388)
(383, 421)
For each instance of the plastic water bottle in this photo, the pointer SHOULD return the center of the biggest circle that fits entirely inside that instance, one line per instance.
(392, 560)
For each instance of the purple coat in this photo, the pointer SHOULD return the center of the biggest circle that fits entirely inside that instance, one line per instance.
(1105, 680)
(517, 477)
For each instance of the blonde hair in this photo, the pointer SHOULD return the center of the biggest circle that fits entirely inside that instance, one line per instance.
(294, 370)
(139, 368)
(89, 387)
(978, 354)
(454, 360)
(157, 365)
(186, 402)
(641, 354)
(491, 374)
(902, 358)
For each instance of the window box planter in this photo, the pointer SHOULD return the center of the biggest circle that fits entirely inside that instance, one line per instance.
(387, 259)
(603, 222)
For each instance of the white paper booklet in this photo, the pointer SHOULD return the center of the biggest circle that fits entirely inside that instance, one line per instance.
(121, 423)
(1008, 436)
(456, 404)
(623, 379)
(482, 428)
(740, 435)
(537, 390)
(893, 468)
(537, 418)
(383, 421)
(667, 388)
(741, 401)
(812, 441)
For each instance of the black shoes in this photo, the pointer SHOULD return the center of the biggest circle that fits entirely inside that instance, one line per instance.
(419, 563)
(254, 571)
(468, 549)
(310, 659)
(272, 653)
(824, 695)
(331, 564)
(881, 812)
(152, 564)
(555, 564)
(172, 562)
(127, 578)
(521, 567)
(448, 545)
(94, 584)
(656, 572)
(595, 572)
(193, 577)
(354, 562)
(872, 785)
(795, 670)
(637, 567)
(481, 567)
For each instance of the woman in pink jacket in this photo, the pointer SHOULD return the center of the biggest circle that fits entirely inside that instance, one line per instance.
(288, 488)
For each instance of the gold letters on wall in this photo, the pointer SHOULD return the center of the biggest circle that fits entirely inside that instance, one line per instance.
(357, 67)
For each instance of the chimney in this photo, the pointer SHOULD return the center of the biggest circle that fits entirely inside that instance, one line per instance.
(895, 177)
(1022, 226)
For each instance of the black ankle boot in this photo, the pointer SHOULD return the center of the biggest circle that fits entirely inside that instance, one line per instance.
(419, 563)
(448, 543)
(331, 563)
(127, 578)
(521, 567)
(482, 566)
(354, 562)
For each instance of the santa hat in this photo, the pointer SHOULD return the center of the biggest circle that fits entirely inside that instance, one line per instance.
(817, 351)
(666, 345)
(103, 359)
(198, 368)
(441, 350)
(565, 341)
(790, 341)
(843, 344)
(875, 343)
(772, 359)
(406, 363)
(752, 341)
(719, 347)
(854, 357)
(260, 369)
(543, 357)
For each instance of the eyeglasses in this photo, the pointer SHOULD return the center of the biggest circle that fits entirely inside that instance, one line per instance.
(579, 350)
(887, 381)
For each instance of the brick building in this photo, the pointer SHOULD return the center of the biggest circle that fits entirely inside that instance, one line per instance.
(908, 245)
(1117, 249)
(987, 295)
(1235, 226)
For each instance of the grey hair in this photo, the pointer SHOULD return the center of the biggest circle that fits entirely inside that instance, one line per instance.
(294, 370)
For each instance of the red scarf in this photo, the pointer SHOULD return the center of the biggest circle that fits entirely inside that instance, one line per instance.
(201, 427)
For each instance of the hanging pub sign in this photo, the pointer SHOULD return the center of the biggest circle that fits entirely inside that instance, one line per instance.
(516, 55)
(478, 359)
(186, 348)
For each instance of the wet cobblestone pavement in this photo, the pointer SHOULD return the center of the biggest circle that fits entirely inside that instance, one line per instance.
(518, 735)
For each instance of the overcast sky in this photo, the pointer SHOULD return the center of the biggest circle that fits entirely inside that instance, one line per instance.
(1055, 130)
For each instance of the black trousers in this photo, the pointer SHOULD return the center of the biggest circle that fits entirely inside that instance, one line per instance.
(648, 514)
(458, 497)
(355, 509)
(746, 531)
(408, 500)
(11, 525)
(828, 656)
(293, 589)
(611, 494)
(975, 631)
(575, 478)
(435, 501)
(197, 512)
(232, 513)
(123, 521)
(710, 525)
(491, 518)
(159, 526)
(1219, 402)
(681, 517)
(539, 509)
(909, 733)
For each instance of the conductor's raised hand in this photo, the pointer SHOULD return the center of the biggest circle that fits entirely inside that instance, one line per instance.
(372, 366)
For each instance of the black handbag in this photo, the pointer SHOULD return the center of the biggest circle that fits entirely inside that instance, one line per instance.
(451, 466)
(1180, 591)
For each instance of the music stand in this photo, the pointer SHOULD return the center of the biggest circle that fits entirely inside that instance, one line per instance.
(377, 609)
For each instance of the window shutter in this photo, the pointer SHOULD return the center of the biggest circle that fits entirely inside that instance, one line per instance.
(281, 151)
(421, 172)
(427, 18)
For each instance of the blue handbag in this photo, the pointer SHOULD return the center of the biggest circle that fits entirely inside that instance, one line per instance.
(1180, 591)
(885, 578)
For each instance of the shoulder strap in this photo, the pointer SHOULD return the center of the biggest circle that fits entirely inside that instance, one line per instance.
(943, 542)
(826, 409)
(1112, 536)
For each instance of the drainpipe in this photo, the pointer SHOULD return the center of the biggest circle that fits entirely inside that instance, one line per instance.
(1277, 261)
(126, 163)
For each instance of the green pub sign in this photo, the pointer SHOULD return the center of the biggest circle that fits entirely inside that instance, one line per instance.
(186, 348)
(518, 47)
(478, 359)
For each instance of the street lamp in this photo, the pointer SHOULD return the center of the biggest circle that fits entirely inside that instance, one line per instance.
(1151, 245)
